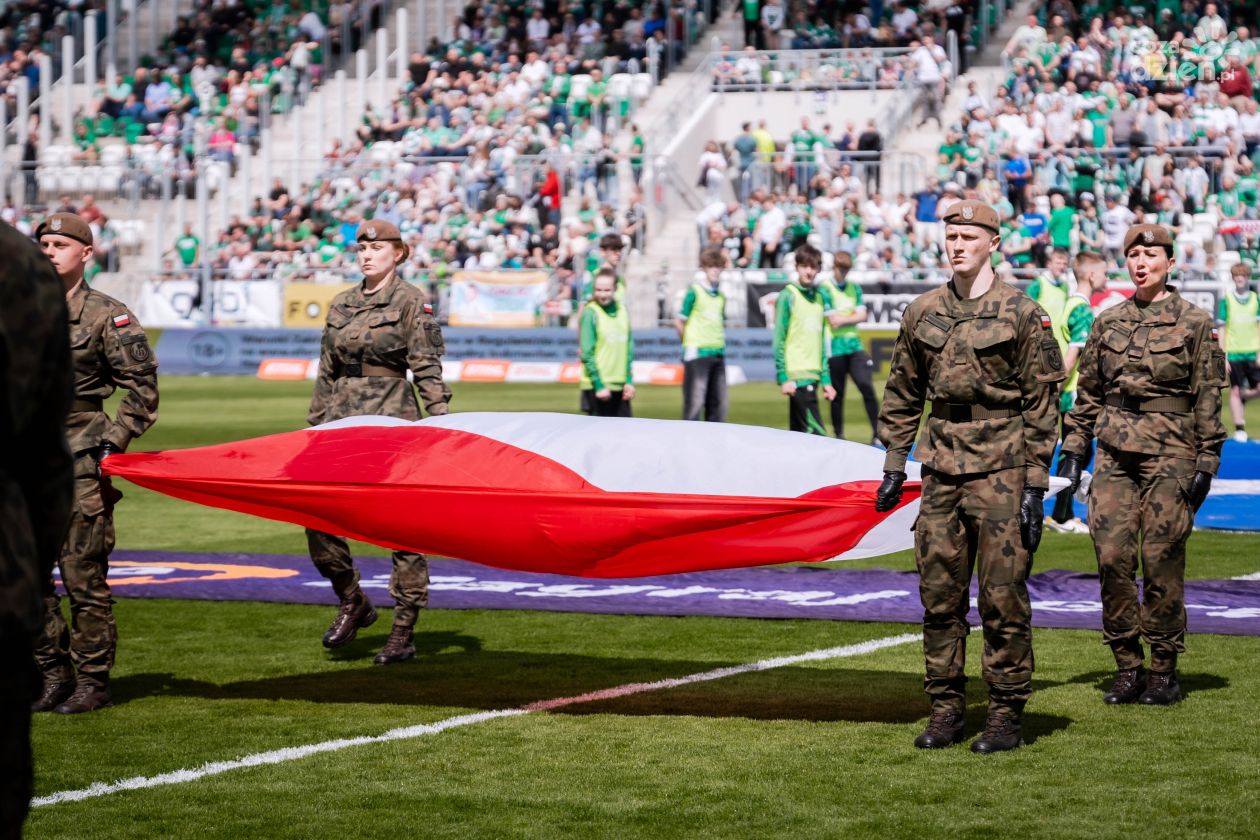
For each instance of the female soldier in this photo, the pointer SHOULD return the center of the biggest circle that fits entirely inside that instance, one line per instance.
(375, 333)
(1150, 381)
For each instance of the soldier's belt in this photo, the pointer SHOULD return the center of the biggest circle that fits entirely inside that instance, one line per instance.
(356, 370)
(966, 412)
(86, 404)
(1172, 405)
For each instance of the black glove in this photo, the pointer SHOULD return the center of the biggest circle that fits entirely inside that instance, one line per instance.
(1199, 487)
(100, 453)
(1070, 468)
(1031, 514)
(889, 492)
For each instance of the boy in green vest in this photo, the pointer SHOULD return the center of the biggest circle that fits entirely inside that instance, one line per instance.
(1071, 331)
(848, 357)
(800, 353)
(1240, 337)
(607, 351)
(701, 324)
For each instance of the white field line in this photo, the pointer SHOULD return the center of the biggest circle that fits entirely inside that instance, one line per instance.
(1252, 576)
(287, 754)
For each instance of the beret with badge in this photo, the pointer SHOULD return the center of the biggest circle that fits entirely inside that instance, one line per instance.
(67, 225)
(1147, 236)
(972, 212)
(378, 230)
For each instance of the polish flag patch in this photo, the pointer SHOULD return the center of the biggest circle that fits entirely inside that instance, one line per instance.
(122, 320)
(1045, 322)
(1216, 335)
(428, 309)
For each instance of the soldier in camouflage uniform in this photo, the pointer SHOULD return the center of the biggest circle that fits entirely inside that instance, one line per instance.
(109, 351)
(1150, 382)
(36, 481)
(375, 333)
(985, 355)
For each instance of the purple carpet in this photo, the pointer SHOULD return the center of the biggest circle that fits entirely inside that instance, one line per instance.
(1060, 599)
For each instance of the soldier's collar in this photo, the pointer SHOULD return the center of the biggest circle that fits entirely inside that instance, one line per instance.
(77, 301)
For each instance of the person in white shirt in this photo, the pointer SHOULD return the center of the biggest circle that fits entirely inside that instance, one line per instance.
(1116, 220)
(1211, 26)
(537, 29)
(828, 218)
(769, 233)
(772, 16)
(904, 20)
(588, 32)
(927, 58)
(1028, 37)
(974, 101)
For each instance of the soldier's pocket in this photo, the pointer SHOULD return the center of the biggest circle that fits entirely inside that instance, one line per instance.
(994, 346)
(87, 487)
(1169, 357)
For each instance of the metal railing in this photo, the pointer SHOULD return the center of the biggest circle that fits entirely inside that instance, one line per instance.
(792, 70)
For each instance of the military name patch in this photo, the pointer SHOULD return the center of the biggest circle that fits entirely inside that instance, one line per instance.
(122, 320)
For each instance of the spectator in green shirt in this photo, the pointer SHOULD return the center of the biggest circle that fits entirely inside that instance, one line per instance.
(188, 247)
(1062, 222)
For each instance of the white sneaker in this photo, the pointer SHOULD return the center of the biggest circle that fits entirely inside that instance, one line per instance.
(1240, 436)
(1072, 526)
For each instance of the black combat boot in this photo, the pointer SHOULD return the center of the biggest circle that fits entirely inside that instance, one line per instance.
(90, 694)
(1161, 689)
(1128, 686)
(399, 647)
(1001, 730)
(356, 611)
(944, 729)
(57, 689)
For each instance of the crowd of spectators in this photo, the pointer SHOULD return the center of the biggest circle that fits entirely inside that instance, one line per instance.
(1093, 129)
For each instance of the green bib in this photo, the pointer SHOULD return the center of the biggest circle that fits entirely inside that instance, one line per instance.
(1053, 298)
(804, 344)
(1064, 339)
(704, 329)
(612, 337)
(843, 340)
(1241, 335)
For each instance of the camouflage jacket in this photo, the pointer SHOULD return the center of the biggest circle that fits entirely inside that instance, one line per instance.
(391, 328)
(110, 351)
(35, 466)
(1163, 350)
(997, 351)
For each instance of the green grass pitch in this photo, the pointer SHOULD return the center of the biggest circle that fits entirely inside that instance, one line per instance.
(810, 750)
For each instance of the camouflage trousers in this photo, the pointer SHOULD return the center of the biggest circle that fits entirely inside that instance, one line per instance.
(408, 582)
(1138, 506)
(966, 523)
(89, 642)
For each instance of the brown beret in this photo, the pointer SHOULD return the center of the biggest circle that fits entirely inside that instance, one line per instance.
(1147, 235)
(973, 213)
(67, 225)
(378, 230)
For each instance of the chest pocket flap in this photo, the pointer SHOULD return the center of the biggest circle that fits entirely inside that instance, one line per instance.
(990, 334)
(1169, 356)
(932, 332)
(380, 319)
(1117, 339)
(338, 317)
(79, 337)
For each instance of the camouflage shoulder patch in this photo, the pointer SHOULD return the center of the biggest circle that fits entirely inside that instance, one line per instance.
(1051, 358)
(137, 348)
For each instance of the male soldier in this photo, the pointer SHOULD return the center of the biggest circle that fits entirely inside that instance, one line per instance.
(985, 355)
(848, 357)
(36, 481)
(701, 325)
(1151, 375)
(1238, 319)
(109, 351)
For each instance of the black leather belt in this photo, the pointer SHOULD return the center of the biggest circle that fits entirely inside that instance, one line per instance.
(966, 412)
(1169, 405)
(358, 370)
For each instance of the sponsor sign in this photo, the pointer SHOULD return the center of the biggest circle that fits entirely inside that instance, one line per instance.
(497, 298)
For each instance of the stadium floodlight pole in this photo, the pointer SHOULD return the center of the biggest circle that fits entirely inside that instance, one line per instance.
(67, 85)
(133, 35)
(111, 37)
(159, 224)
(343, 105)
(400, 47)
(45, 103)
(422, 23)
(89, 52)
(360, 79)
(382, 67)
(203, 232)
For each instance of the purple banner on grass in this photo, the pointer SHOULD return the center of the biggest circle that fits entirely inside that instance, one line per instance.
(1059, 598)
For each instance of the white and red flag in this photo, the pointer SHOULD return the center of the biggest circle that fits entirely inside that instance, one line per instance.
(556, 493)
